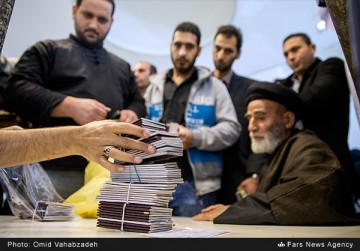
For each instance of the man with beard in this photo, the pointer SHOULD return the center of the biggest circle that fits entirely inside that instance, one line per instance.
(201, 105)
(302, 181)
(74, 81)
(227, 48)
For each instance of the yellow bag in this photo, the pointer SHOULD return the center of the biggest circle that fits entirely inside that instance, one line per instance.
(84, 199)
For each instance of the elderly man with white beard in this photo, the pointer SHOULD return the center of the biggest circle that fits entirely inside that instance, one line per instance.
(302, 181)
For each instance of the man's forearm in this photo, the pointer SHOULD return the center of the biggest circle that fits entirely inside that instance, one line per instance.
(33, 145)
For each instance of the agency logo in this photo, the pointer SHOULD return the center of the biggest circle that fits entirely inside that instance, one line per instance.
(281, 245)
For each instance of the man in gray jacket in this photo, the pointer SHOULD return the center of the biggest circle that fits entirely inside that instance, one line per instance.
(202, 106)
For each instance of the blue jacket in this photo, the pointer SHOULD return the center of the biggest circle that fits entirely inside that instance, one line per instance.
(211, 116)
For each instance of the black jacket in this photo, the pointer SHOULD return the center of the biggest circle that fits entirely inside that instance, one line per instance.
(53, 69)
(325, 92)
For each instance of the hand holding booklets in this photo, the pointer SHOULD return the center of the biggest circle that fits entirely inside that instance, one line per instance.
(168, 145)
(137, 199)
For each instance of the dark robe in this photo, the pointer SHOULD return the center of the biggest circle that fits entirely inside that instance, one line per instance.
(302, 184)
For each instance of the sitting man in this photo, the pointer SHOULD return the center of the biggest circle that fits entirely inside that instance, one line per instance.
(302, 181)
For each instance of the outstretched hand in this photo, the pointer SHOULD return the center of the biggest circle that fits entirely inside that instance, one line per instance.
(94, 137)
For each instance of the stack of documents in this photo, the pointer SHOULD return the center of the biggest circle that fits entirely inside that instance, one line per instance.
(163, 173)
(168, 145)
(137, 199)
(152, 126)
(137, 217)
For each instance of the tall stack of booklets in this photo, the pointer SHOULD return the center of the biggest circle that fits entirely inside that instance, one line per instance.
(137, 199)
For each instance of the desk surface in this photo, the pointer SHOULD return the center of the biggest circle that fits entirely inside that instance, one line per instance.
(11, 226)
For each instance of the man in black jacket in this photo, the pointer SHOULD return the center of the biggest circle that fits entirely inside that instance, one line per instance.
(323, 87)
(74, 81)
(227, 48)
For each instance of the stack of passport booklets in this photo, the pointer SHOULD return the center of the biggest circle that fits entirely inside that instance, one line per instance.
(168, 145)
(137, 199)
